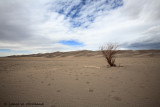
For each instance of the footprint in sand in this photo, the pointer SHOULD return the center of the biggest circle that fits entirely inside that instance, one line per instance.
(70, 73)
(42, 82)
(76, 79)
(112, 91)
(117, 98)
(88, 82)
(147, 98)
(58, 90)
(147, 80)
(46, 76)
(91, 90)
(142, 86)
(49, 84)
(110, 77)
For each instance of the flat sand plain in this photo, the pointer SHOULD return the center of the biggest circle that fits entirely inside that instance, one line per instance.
(80, 81)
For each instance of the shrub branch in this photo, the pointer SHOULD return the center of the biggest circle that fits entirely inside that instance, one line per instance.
(109, 51)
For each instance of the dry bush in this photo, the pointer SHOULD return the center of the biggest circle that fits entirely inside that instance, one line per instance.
(109, 51)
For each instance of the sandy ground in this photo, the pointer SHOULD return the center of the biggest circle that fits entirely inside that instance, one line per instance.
(79, 82)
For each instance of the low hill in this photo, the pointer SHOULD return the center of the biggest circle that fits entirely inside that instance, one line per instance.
(122, 53)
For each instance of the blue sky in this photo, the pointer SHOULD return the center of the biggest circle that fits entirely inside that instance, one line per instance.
(5, 50)
(74, 12)
(39, 26)
(71, 43)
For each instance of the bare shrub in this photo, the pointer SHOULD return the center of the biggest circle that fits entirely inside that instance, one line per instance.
(109, 51)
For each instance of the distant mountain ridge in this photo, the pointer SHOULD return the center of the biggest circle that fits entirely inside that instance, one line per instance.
(88, 53)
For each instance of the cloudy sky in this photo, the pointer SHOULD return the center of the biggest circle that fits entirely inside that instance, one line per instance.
(38, 26)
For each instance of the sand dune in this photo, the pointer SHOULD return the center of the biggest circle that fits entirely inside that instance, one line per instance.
(80, 79)
(122, 53)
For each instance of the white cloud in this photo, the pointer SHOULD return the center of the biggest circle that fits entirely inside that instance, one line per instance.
(34, 25)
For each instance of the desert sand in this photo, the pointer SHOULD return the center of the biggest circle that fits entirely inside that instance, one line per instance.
(80, 79)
